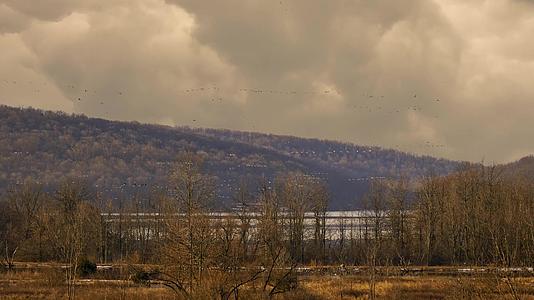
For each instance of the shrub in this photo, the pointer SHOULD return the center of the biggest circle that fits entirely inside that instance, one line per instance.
(143, 277)
(86, 267)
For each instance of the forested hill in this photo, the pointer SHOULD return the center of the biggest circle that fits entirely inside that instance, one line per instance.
(125, 158)
(360, 161)
(522, 168)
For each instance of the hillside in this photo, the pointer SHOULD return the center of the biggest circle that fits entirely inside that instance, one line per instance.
(362, 162)
(521, 168)
(123, 158)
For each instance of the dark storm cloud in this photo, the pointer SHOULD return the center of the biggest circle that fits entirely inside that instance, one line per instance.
(404, 74)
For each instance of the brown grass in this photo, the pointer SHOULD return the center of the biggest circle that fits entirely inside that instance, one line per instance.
(423, 287)
(49, 284)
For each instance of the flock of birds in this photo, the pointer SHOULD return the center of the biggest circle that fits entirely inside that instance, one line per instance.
(368, 103)
(82, 94)
(371, 103)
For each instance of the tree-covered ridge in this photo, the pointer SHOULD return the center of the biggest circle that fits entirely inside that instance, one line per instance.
(522, 168)
(365, 161)
(124, 158)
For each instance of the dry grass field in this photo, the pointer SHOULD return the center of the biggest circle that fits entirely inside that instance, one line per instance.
(48, 283)
(420, 287)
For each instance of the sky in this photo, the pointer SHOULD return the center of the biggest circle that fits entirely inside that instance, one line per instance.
(447, 78)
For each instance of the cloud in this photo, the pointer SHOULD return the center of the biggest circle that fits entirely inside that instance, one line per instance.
(10, 20)
(53, 10)
(374, 55)
(446, 77)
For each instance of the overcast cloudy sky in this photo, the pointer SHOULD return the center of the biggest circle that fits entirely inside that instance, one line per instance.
(450, 78)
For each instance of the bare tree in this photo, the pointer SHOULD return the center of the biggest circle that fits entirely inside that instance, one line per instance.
(319, 206)
(21, 219)
(399, 220)
(296, 198)
(188, 234)
(74, 228)
(376, 204)
(277, 262)
(244, 211)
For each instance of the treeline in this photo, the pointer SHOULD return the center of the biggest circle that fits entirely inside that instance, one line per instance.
(194, 255)
(473, 217)
(478, 217)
